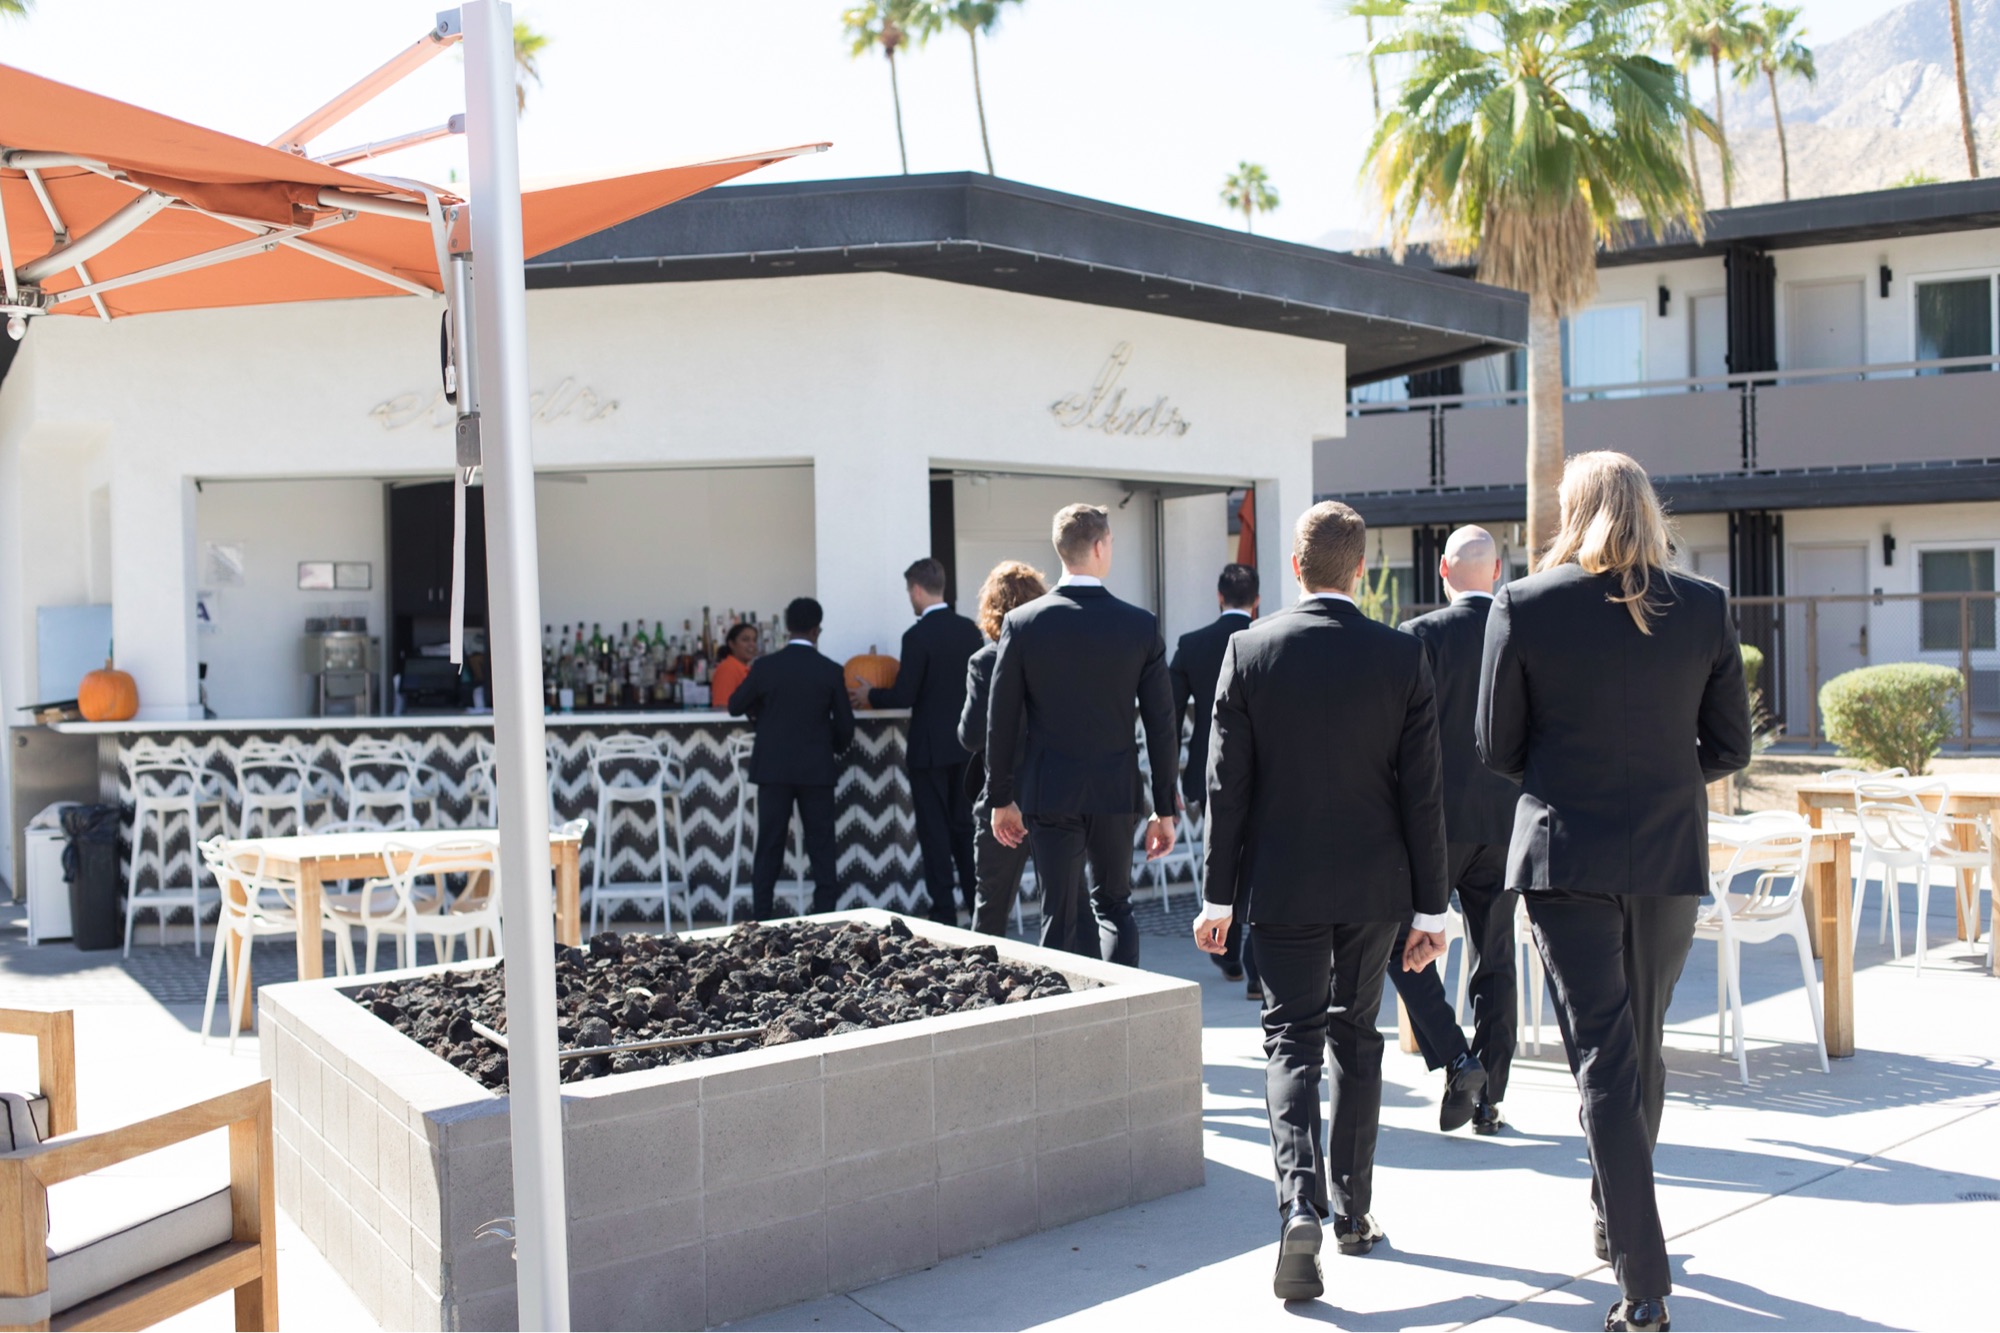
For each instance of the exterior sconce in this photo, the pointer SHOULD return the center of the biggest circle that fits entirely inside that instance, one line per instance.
(1884, 274)
(1888, 549)
(1665, 297)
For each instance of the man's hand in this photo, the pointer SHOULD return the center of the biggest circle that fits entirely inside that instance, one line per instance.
(1421, 949)
(857, 693)
(1212, 935)
(1008, 826)
(1159, 837)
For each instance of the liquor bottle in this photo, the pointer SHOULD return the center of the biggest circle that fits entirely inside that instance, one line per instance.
(707, 636)
(687, 648)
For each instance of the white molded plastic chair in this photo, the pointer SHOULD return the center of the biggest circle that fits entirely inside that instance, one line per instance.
(166, 783)
(484, 808)
(1531, 989)
(1187, 852)
(394, 903)
(379, 775)
(639, 771)
(269, 907)
(271, 778)
(742, 745)
(472, 914)
(1903, 827)
(1772, 906)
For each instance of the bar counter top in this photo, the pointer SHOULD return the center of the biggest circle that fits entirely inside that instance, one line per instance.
(416, 721)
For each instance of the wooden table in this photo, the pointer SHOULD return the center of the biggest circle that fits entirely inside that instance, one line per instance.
(312, 859)
(1971, 794)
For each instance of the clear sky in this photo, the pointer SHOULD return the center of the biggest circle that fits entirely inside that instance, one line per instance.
(1147, 103)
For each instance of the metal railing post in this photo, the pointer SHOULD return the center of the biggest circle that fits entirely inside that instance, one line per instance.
(1812, 672)
(1965, 671)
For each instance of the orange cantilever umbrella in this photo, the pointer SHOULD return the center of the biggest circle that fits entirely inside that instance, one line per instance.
(109, 209)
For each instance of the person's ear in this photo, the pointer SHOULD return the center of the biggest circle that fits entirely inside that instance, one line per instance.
(1444, 570)
(1300, 578)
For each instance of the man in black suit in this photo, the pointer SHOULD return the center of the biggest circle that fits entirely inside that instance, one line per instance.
(1196, 662)
(1326, 834)
(1478, 820)
(1079, 666)
(798, 701)
(930, 682)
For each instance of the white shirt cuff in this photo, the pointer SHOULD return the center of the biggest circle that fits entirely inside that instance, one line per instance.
(1215, 911)
(1430, 922)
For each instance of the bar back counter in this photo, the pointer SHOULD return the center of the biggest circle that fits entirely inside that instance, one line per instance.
(875, 832)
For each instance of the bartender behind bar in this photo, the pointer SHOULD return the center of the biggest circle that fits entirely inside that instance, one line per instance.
(798, 702)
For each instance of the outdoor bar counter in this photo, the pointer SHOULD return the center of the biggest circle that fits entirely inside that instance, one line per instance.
(875, 836)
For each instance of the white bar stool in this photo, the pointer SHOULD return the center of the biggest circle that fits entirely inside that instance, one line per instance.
(378, 775)
(638, 771)
(166, 783)
(742, 745)
(285, 778)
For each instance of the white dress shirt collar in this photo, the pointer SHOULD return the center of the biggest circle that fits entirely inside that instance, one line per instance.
(934, 606)
(801, 643)
(1328, 597)
(1458, 596)
(1069, 580)
(1235, 611)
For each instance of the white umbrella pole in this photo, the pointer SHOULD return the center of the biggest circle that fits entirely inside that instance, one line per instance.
(500, 324)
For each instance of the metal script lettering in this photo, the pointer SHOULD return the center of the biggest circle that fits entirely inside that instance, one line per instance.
(1102, 406)
(579, 402)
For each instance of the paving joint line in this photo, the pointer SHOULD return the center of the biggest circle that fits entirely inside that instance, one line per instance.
(872, 1314)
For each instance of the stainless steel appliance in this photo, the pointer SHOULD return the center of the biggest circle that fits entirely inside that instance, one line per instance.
(345, 665)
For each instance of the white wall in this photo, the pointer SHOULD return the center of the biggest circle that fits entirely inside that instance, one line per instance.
(1009, 518)
(254, 667)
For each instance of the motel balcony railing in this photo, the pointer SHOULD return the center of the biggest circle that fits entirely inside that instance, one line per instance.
(1763, 421)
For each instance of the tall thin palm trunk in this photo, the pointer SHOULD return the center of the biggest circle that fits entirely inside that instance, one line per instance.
(1374, 83)
(1687, 129)
(1778, 119)
(1545, 424)
(1721, 131)
(896, 91)
(979, 99)
(1964, 98)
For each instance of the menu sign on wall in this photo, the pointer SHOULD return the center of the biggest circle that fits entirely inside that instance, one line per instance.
(1102, 406)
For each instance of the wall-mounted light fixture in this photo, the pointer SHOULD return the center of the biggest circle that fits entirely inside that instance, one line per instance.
(1884, 274)
(1665, 297)
(1888, 547)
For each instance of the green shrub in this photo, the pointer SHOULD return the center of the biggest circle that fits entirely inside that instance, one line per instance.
(1753, 665)
(1894, 716)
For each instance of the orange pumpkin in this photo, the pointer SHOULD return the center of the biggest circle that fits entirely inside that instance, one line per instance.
(871, 668)
(108, 695)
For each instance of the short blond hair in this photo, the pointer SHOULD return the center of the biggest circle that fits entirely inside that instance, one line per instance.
(1078, 528)
(1328, 543)
(1612, 523)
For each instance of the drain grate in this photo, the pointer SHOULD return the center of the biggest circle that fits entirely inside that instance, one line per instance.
(1979, 1196)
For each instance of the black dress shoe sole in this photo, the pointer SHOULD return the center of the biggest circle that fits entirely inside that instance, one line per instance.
(1358, 1245)
(1487, 1127)
(1616, 1322)
(1254, 993)
(1298, 1277)
(1461, 1099)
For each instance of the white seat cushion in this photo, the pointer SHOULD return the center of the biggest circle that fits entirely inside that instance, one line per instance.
(104, 1231)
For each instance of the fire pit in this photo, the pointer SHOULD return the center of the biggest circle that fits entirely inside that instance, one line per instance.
(974, 1099)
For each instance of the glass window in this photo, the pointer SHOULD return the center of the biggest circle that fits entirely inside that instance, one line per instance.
(1605, 345)
(1956, 571)
(1497, 374)
(1954, 319)
(1381, 391)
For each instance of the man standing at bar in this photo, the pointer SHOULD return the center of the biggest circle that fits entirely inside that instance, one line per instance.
(798, 701)
(1080, 666)
(930, 682)
(1478, 821)
(1196, 663)
(1325, 833)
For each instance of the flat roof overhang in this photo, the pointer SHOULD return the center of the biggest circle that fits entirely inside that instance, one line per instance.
(988, 232)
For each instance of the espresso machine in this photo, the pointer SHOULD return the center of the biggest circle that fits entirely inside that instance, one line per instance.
(345, 665)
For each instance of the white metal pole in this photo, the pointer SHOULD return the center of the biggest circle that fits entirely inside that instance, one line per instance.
(513, 610)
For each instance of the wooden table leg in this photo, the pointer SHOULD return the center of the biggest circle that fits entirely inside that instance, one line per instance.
(1406, 1036)
(312, 938)
(1965, 884)
(1811, 813)
(238, 958)
(569, 892)
(1834, 880)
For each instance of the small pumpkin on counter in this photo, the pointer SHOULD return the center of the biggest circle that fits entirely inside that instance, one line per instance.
(872, 669)
(109, 695)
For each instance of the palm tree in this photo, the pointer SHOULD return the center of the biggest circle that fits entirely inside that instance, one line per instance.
(1521, 131)
(1964, 101)
(1719, 28)
(528, 46)
(974, 17)
(887, 24)
(1680, 29)
(18, 9)
(1248, 190)
(1774, 44)
(1374, 81)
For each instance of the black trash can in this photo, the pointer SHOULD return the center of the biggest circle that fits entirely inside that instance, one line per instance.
(90, 864)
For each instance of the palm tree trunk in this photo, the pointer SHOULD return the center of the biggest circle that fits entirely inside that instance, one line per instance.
(1375, 84)
(1721, 132)
(1545, 423)
(979, 99)
(896, 91)
(1784, 155)
(1687, 128)
(1964, 100)
(1249, 224)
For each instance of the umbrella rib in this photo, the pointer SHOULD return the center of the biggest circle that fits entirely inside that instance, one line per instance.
(13, 284)
(56, 225)
(330, 256)
(270, 240)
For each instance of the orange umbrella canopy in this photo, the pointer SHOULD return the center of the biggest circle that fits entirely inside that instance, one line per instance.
(71, 160)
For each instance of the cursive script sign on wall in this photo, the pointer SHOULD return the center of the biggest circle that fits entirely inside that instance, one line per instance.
(1102, 406)
(568, 399)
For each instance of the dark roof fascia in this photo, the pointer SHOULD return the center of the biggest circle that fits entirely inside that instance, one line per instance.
(1805, 488)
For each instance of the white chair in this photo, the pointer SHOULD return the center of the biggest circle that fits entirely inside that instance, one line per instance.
(1903, 827)
(167, 783)
(378, 775)
(1772, 906)
(1186, 853)
(1853, 777)
(269, 907)
(472, 914)
(271, 777)
(382, 906)
(742, 745)
(1531, 990)
(638, 771)
(1893, 832)
(1961, 846)
(483, 809)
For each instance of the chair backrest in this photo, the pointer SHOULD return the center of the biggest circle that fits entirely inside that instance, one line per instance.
(1775, 859)
(474, 858)
(1895, 827)
(632, 762)
(1862, 774)
(741, 745)
(369, 764)
(158, 770)
(264, 896)
(278, 763)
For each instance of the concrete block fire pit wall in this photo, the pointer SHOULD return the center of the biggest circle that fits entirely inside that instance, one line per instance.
(712, 1190)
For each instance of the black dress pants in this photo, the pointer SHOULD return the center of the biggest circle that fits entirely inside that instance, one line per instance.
(1322, 990)
(997, 868)
(774, 817)
(1613, 960)
(1478, 870)
(1089, 915)
(944, 833)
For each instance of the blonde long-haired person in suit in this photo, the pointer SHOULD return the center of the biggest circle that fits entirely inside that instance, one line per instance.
(1612, 690)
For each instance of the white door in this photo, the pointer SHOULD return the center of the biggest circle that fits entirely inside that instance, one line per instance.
(1708, 334)
(1841, 629)
(1823, 324)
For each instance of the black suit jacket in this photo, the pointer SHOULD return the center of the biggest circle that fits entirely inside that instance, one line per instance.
(1324, 799)
(805, 721)
(972, 719)
(1478, 803)
(930, 682)
(1613, 734)
(1197, 662)
(1076, 667)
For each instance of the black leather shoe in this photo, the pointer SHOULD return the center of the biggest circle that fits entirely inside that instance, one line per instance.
(1648, 1314)
(1464, 1085)
(1600, 1241)
(1230, 971)
(1298, 1276)
(1254, 991)
(1356, 1235)
(1486, 1118)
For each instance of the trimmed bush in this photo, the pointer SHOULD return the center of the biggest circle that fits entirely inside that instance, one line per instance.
(1753, 665)
(1894, 716)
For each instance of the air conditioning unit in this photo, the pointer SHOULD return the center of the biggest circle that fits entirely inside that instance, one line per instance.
(1986, 689)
